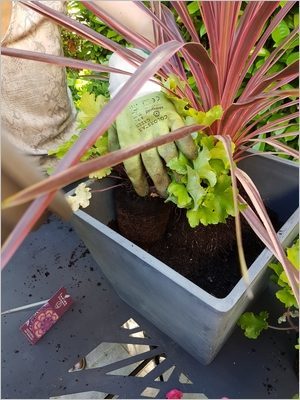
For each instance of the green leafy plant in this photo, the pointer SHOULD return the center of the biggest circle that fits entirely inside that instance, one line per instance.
(253, 324)
(214, 74)
(203, 186)
(89, 106)
(80, 48)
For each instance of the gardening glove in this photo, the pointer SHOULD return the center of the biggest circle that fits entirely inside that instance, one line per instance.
(148, 116)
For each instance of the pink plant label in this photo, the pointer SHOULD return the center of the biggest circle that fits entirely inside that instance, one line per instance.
(45, 317)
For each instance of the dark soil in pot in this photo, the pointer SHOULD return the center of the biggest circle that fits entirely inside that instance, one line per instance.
(206, 255)
(141, 219)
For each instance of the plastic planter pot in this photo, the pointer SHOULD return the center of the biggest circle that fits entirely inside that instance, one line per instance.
(193, 318)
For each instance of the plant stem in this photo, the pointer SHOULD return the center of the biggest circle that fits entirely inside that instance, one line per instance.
(108, 188)
(116, 177)
(288, 315)
(281, 329)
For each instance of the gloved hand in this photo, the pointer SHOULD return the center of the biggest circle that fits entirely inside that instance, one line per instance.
(148, 116)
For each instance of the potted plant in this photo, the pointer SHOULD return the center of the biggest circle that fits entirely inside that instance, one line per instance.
(213, 98)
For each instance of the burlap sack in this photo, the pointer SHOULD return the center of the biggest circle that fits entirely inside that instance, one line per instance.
(37, 110)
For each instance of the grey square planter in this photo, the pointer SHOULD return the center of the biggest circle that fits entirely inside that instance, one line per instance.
(193, 318)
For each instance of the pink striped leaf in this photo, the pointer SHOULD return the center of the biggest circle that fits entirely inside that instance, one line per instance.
(80, 29)
(274, 22)
(278, 251)
(269, 62)
(226, 140)
(245, 39)
(285, 76)
(182, 11)
(164, 27)
(271, 112)
(278, 145)
(131, 36)
(238, 115)
(58, 60)
(96, 128)
(82, 170)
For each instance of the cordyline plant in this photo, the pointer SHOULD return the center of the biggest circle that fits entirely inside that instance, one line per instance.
(236, 35)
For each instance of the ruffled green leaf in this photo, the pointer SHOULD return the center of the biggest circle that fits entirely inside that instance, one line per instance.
(178, 194)
(293, 254)
(277, 268)
(280, 278)
(208, 118)
(101, 173)
(224, 195)
(218, 166)
(89, 107)
(98, 149)
(194, 188)
(197, 116)
(203, 168)
(207, 141)
(179, 164)
(253, 324)
(193, 218)
(207, 183)
(180, 105)
(285, 295)
(61, 150)
(219, 152)
(212, 115)
(283, 279)
(212, 211)
(173, 82)
(101, 145)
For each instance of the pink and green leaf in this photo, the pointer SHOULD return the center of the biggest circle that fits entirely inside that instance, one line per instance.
(91, 134)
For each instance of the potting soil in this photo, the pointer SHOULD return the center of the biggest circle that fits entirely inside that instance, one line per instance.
(206, 255)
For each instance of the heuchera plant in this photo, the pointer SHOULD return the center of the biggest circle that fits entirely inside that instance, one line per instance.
(254, 324)
(202, 186)
(236, 34)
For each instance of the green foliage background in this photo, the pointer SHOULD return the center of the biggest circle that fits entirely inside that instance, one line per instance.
(82, 49)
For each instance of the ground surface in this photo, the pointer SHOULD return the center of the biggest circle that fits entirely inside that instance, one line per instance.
(53, 257)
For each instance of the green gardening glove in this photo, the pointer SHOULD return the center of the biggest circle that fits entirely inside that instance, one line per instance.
(146, 118)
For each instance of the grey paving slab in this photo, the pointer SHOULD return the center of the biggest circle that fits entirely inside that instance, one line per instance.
(53, 256)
